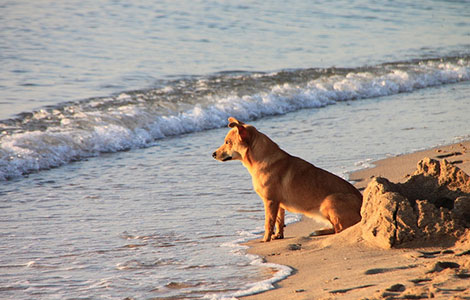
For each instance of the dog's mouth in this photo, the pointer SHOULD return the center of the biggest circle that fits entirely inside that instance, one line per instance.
(227, 158)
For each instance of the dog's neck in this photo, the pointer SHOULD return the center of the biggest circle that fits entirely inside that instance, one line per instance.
(255, 157)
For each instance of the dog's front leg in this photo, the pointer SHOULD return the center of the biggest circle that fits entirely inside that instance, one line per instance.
(271, 209)
(279, 225)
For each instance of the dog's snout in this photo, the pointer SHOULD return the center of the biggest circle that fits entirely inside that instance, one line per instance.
(214, 154)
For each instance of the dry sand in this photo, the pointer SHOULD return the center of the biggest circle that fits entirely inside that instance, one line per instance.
(345, 266)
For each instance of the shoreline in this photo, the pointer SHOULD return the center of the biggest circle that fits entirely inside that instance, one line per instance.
(343, 266)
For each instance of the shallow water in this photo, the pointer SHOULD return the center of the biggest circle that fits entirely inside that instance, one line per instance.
(118, 196)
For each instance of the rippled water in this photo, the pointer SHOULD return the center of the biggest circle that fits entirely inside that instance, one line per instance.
(72, 50)
(110, 111)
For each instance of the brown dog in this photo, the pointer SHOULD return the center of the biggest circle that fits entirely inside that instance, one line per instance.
(287, 182)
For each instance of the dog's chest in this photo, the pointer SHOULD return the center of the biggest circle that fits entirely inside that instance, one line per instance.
(265, 184)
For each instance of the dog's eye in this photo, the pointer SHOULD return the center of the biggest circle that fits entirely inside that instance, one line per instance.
(228, 142)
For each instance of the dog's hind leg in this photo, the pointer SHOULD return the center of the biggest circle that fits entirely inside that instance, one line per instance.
(279, 225)
(342, 210)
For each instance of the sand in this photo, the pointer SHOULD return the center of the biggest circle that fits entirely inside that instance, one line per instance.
(345, 266)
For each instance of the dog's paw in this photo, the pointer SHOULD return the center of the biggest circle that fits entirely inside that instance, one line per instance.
(324, 231)
(266, 239)
(278, 236)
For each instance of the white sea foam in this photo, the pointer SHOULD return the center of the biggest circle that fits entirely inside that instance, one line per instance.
(281, 273)
(237, 248)
(125, 121)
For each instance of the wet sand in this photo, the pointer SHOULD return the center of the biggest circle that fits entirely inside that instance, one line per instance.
(344, 266)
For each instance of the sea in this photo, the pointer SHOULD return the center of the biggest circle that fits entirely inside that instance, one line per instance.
(110, 111)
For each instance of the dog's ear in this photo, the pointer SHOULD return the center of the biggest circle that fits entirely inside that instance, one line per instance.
(232, 122)
(242, 131)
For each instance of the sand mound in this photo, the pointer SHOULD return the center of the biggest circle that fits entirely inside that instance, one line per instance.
(432, 208)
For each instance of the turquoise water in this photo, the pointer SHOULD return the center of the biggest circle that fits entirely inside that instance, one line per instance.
(111, 111)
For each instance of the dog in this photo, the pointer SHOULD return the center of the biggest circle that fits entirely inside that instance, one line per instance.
(285, 182)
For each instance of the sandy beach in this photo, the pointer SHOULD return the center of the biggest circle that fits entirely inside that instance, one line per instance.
(345, 266)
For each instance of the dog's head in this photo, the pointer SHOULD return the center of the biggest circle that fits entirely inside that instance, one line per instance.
(236, 142)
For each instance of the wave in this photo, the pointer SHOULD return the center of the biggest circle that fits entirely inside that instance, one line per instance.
(71, 131)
